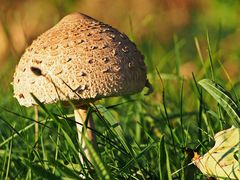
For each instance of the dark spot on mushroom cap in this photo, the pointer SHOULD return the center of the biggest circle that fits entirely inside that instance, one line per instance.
(36, 71)
(82, 73)
(105, 59)
(80, 41)
(93, 47)
(90, 61)
(21, 96)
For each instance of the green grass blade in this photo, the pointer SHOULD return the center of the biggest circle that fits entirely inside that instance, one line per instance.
(40, 171)
(100, 168)
(10, 126)
(145, 150)
(177, 45)
(115, 126)
(4, 157)
(70, 143)
(118, 132)
(65, 170)
(9, 161)
(210, 57)
(222, 97)
(163, 159)
(57, 147)
(169, 173)
(44, 155)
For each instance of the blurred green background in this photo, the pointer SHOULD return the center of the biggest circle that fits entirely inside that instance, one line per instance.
(173, 35)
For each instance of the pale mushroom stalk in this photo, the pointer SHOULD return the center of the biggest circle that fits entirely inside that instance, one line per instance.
(80, 118)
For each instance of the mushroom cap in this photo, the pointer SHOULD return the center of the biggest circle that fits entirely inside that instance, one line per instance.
(79, 59)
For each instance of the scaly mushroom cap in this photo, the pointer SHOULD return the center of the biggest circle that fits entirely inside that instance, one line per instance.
(79, 59)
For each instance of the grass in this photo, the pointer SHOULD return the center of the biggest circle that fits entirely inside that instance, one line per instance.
(138, 137)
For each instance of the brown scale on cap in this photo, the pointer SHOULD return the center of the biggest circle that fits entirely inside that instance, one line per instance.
(79, 57)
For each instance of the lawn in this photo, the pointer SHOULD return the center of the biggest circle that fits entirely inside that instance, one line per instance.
(194, 70)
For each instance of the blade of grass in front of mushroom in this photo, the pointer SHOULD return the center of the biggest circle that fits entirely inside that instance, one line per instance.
(65, 163)
(43, 149)
(83, 115)
(99, 166)
(100, 135)
(118, 133)
(114, 126)
(36, 135)
(64, 124)
(79, 120)
(57, 144)
(74, 149)
(110, 123)
(82, 118)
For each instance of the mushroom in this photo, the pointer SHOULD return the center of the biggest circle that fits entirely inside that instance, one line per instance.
(82, 60)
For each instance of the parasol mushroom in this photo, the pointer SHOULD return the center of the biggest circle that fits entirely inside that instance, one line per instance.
(82, 60)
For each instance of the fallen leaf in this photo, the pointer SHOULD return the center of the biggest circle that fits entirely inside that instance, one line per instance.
(222, 161)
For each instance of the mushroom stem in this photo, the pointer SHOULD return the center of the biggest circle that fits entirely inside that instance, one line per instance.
(80, 118)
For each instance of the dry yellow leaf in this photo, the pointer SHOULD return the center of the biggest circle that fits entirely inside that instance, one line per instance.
(222, 161)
